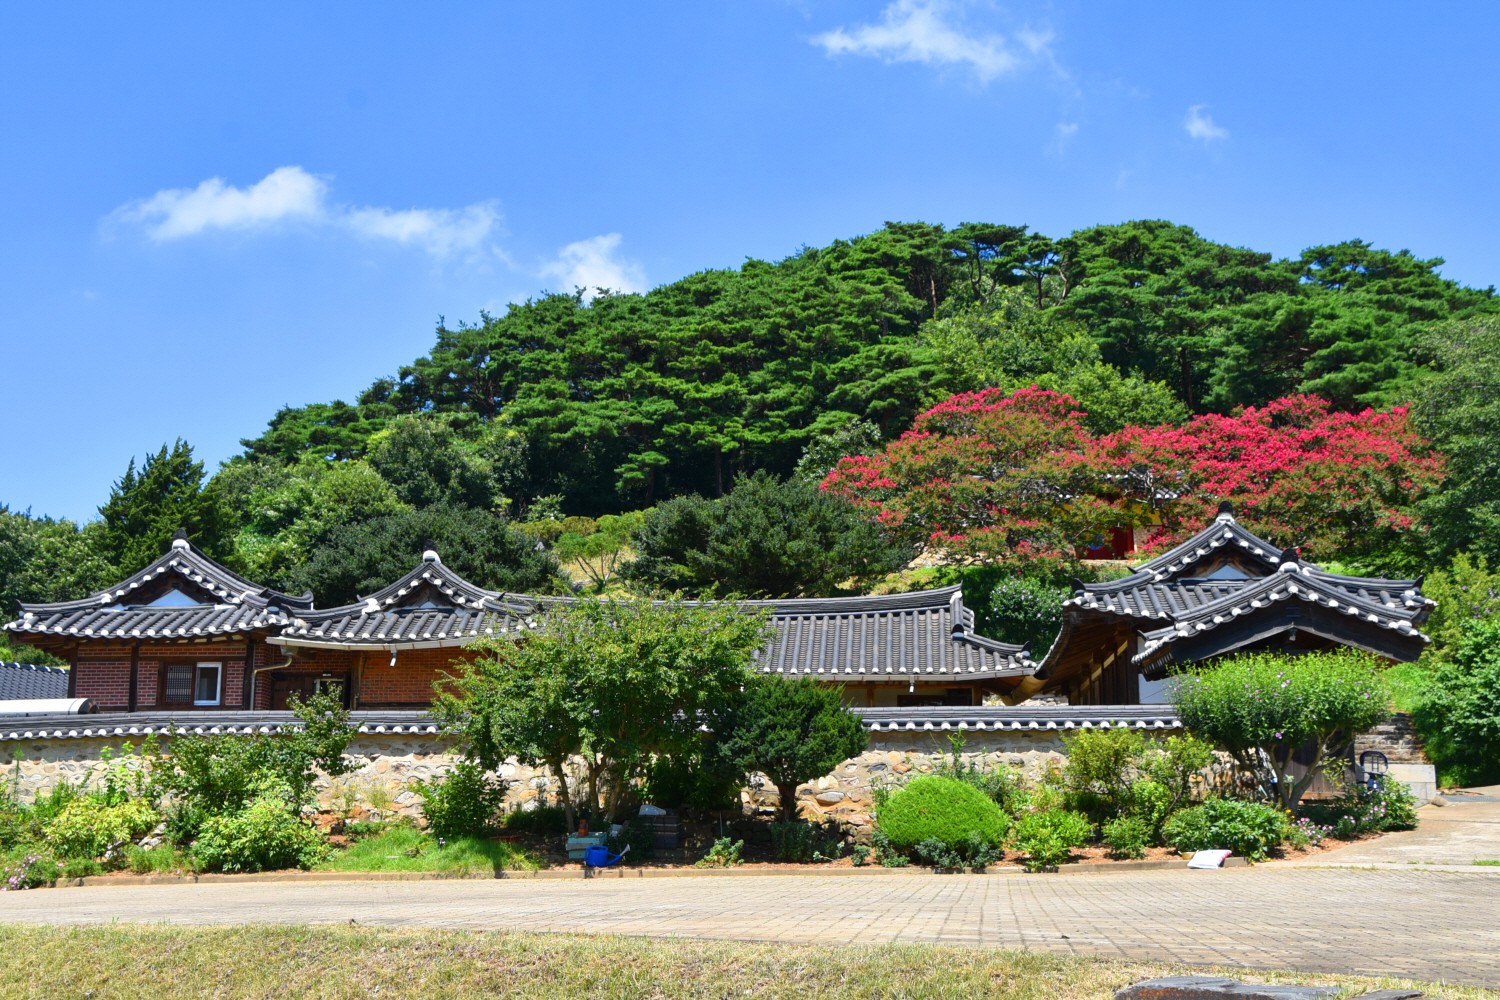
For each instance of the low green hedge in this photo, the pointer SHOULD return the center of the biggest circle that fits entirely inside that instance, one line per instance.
(1249, 829)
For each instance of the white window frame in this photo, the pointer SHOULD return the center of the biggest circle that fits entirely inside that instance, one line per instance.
(218, 698)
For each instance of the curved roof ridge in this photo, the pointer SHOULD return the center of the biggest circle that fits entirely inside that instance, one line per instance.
(428, 572)
(1223, 531)
(189, 562)
(1274, 588)
(1368, 582)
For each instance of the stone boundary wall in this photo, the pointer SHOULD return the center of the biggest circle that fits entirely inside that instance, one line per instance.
(387, 765)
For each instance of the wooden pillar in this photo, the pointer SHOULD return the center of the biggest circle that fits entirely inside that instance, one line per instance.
(355, 678)
(73, 673)
(135, 667)
(249, 678)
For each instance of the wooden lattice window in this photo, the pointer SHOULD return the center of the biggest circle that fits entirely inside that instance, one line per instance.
(199, 684)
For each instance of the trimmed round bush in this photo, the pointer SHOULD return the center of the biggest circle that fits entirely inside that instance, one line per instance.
(957, 815)
(1249, 829)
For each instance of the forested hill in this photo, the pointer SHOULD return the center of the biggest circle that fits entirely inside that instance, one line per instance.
(614, 403)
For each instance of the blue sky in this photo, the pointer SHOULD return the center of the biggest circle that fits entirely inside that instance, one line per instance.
(208, 213)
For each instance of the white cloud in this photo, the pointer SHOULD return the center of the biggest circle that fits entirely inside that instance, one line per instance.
(439, 231)
(292, 195)
(1200, 126)
(594, 265)
(284, 193)
(1061, 133)
(926, 31)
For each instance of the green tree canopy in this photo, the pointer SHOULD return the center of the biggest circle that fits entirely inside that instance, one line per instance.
(766, 538)
(358, 559)
(613, 683)
(792, 731)
(1458, 404)
(147, 507)
(1261, 708)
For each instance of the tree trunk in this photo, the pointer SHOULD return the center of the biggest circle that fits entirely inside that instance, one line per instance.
(570, 815)
(788, 795)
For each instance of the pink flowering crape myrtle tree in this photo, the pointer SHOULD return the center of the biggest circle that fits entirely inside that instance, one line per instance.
(1016, 478)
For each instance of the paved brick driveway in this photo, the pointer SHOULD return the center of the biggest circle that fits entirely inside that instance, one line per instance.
(1439, 925)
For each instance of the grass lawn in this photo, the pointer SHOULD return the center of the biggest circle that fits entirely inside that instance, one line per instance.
(404, 849)
(138, 961)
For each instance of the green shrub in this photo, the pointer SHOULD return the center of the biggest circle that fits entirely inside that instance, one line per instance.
(79, 868)
(942, 809)
(1101, 764)
(463, 803)
(47, 807)
(541, 821)
(1048, 838)
(161, 858)
(1002, 784)
(1459, 717)
(218, 775)
(1127, 836)
(1249, 829)
(792, 731)
(804, 842)
(888, 856)
(267, 834)
(860, 855)
(1389, 805)
(937, 854)
(1261, 708)
(86, 829)
(725, 853)
(1173, 763)
(28, 868)
(1151, 802)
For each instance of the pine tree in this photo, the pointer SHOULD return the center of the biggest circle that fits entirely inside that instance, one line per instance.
(147, 506)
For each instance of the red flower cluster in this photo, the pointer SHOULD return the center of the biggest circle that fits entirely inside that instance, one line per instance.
(1019, 476)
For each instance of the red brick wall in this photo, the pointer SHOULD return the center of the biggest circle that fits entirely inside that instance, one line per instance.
(409, 682)
(104, 670)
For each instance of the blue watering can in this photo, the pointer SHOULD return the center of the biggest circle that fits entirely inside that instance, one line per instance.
(598, 856)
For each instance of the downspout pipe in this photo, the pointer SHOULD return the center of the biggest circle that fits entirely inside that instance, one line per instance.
(255, 675)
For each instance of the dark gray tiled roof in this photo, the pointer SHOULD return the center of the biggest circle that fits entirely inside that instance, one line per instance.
(1162, 597)
(1292, 581)
(1013, 718)
(431, 605)
(151, 623)
(229, 604)
(999, 718)
(25, 681)
(1225, 532)
(1143, 596)
(141, 724)
(925, 636)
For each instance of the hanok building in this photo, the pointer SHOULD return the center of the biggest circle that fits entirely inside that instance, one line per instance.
(387, 650)
(183, 633)
(179, 634)
(1222, 591)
